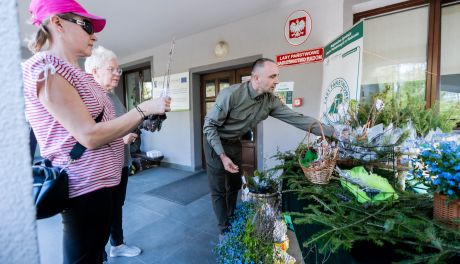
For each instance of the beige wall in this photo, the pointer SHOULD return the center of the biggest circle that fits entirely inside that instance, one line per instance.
(261, 34)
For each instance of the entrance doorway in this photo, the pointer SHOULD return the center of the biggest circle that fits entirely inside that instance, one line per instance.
(210, 86)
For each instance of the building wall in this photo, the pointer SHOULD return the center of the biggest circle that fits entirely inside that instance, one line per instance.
(18, 236)
(260, 34)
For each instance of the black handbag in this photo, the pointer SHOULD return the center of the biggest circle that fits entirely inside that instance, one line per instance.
(50, 189)
(51, 183)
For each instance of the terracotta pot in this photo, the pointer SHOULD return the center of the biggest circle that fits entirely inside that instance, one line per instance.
(445, 210)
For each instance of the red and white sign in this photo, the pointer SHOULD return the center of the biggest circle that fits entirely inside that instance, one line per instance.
(297, 102)
(300, 57)
(297, 27)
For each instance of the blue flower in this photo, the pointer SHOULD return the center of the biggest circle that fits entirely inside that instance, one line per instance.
(457, 176)
(425, 153)
(446, 176)
(450, 192)
(457, 167)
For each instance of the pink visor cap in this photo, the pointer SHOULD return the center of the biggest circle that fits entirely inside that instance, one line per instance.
(42, 9)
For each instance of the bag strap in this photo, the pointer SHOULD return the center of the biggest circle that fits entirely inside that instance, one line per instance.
(77, 150)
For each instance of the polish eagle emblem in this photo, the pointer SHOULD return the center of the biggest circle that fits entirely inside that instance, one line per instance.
(297, 27)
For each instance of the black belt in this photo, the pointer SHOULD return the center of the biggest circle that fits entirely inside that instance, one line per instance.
(229, 140)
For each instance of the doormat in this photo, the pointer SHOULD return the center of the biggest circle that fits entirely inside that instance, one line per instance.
(183, 191)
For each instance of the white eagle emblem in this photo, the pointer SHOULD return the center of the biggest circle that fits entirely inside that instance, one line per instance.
(297, 28)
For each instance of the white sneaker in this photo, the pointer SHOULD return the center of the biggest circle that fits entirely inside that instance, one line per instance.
(124, 251)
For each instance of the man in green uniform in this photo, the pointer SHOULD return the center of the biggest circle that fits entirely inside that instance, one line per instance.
(237, 109)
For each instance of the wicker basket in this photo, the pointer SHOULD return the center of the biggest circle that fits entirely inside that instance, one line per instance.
(319, 173)
(445, 210)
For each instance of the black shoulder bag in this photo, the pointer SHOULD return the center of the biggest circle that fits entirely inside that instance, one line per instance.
(51, 183)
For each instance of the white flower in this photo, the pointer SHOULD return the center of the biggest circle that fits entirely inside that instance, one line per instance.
(379, 104)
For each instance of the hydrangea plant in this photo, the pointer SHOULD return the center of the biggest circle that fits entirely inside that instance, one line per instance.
(438, 166)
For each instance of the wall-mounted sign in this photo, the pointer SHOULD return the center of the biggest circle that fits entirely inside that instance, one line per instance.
(284, 91)
(179, 90)
(297, 27)
(300, 57)
(342, 69)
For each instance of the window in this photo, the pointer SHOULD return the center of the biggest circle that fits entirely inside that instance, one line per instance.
(450, 57)
(395, 53)
(412, 47)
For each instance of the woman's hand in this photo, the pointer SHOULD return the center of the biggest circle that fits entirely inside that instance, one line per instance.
(130, 138)
(157, 106)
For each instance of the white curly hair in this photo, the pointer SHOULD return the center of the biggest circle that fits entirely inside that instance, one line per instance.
(99, 58)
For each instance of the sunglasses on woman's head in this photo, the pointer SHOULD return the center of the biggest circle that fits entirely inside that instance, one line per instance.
(85, 24)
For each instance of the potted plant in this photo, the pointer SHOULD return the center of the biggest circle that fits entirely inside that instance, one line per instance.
(261, 187)
(438, 166)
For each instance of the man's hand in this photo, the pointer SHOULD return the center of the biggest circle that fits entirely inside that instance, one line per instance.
(228, 164)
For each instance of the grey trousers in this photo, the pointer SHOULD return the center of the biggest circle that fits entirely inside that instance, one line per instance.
(224, 186)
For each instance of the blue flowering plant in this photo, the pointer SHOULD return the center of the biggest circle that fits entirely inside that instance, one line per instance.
(438, 167)
(240, 245)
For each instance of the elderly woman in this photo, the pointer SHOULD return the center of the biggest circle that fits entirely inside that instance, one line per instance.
(61, 104)
(103, 65)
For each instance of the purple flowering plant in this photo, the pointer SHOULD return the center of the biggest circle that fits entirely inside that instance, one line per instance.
(438, 167)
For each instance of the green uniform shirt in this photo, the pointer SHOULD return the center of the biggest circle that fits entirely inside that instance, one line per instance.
(238, 108)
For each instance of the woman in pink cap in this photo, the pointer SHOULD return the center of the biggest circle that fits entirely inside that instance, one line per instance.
(62, 104)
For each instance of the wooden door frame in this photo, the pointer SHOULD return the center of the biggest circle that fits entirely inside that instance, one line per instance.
(128, 67)
(195, 106)
(124, 81)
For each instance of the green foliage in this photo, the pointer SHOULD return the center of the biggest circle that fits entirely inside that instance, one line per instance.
(402, 107)
(405, 223)
(256, 249)
(242, 244)
(265, 183)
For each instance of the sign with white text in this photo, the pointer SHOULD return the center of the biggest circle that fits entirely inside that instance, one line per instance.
(178, 91)
(284, 91)
(300, 57)
(342, 69)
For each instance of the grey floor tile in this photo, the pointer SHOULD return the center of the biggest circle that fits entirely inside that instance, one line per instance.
(167, 232)
(136, 217)
(160, 206)
(194, 251)
(124, 260)
(160, 239)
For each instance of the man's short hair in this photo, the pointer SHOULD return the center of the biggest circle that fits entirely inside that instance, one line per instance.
(259, 63)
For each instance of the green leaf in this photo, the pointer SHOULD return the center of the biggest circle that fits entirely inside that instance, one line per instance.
(389, 225)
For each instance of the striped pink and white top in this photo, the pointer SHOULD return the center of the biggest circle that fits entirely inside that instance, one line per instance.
(97, 168)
